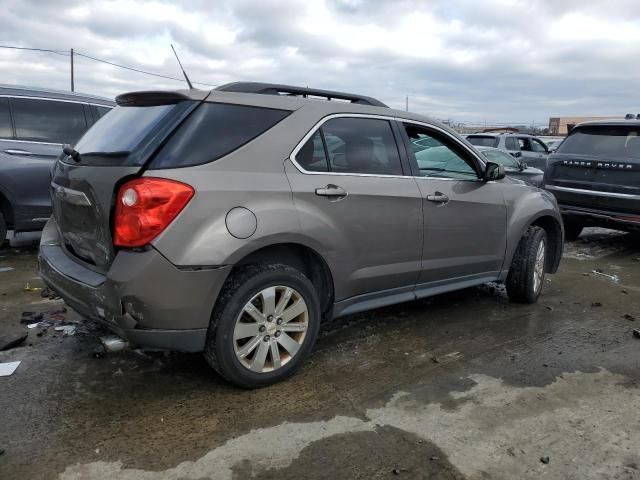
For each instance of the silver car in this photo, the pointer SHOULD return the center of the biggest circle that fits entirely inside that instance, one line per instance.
(235, 221)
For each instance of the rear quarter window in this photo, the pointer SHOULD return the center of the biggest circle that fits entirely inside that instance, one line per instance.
(214, 130)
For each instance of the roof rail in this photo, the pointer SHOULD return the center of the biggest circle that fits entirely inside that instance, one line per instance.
(277, 89)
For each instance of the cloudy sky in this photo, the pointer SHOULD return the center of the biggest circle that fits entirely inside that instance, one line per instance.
(467, 60)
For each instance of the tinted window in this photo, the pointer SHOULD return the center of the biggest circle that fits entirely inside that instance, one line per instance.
(102, 111)
(312, 156)
(5, 119)
(484, 141)
(443, 159)
(47, 120)
(214, 130)
(608, 141)
(361, 145)
(511, 144)
(502, 158)
(122, 129)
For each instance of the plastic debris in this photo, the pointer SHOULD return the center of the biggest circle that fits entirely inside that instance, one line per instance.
(7, 368)
(29, 288)
(636, 333)
(545, 460)
(6, 269)
(601, 273)
(67, 330)
(629, 317)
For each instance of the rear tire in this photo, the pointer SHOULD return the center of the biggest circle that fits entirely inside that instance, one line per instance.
(526, 275)
(264, 325)
(3, 229)
(572, 230)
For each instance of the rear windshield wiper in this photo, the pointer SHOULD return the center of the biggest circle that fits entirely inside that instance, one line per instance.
(119, 153)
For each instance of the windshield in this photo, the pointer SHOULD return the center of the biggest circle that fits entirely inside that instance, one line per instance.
(120, 130)
(616, 141)
(483, 141)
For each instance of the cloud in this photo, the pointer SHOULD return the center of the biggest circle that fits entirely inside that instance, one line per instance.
(468, 60)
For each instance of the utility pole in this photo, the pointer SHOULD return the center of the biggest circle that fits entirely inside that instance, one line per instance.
(407, 103)
(72, 85)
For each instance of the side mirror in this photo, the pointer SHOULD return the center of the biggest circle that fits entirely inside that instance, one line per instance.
(523, 165)
(517, 154)
(493, 171)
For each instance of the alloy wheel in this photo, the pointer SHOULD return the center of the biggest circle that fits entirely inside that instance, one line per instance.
(270, 329)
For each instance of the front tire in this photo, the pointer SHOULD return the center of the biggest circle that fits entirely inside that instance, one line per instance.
(526, 275)
(264, 325)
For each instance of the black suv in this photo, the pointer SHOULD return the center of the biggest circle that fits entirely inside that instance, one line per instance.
(34, 123)
(595, 176)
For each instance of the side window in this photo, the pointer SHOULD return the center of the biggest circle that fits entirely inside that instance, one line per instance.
(537, 146)
(5, 119)
(312, 156)
(48, 120)
(511, 144)
(442, 158)
(361, 145)
(525, 144)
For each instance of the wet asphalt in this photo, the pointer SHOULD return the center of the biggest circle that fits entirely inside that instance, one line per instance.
(464, 385)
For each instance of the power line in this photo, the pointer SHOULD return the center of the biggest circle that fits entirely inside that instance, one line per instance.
(95, 59)
(57, 52)
(138, 70)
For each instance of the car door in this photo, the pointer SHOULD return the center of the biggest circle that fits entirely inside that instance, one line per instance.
(539, 154)
(512, 146)
(39, 128)
(359, 206)
(464, 216)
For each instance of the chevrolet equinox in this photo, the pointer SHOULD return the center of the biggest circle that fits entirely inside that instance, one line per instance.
(234, 221)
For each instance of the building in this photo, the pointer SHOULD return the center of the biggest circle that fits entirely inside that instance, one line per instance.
(563, 125)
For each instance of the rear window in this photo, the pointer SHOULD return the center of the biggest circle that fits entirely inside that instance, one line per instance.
(5, 119)
(47, 121)
(214, 130)
(483, 141)
(122, 129)
(606, 141)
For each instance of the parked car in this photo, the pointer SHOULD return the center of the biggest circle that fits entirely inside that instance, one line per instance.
(514, 167)
(235, 221)
(34, 123)
(552, 143)
(595, 175)
(531, 149)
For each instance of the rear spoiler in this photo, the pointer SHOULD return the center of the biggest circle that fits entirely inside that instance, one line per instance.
(154, 98)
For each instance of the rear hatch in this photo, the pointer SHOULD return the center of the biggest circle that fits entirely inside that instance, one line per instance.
(598, 167)
(115, 149)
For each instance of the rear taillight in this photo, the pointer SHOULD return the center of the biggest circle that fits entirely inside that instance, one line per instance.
(145, 207)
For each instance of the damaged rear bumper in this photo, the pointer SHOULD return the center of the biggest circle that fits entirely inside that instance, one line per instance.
(143, 297)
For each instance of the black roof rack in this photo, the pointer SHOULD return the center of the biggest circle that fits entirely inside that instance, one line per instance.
(277, 89)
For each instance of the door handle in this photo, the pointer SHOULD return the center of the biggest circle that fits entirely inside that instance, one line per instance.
(331, 191)
(11, 151)
(438, 198)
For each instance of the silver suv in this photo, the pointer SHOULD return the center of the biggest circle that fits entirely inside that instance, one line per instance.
(524, 147)
(235, 221)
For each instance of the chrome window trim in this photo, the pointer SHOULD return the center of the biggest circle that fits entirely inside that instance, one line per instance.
(27, 141)
(57, 100)
(597, 193)
(322, 121)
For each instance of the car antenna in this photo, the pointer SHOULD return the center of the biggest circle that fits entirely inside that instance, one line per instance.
(181, 67)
